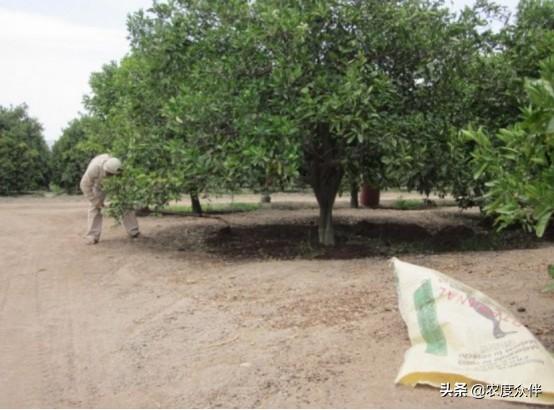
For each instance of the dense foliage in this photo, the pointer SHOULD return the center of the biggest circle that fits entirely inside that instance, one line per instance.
(518, 162)
(24, 155)
(495, 89)
(264, 94)
(71, 154)
(257, 94)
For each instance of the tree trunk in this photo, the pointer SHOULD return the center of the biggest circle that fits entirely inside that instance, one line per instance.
(354, 195)
(325, 192)
(196, 207)
(326, 231)
(325, 176)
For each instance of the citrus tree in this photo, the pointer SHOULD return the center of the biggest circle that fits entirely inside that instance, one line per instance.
(495, 87)
(518, 162)
(71, 154)
(24, 155)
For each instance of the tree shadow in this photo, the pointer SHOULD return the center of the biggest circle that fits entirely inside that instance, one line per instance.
(361, 239)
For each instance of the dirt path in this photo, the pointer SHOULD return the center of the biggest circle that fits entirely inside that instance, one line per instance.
(172, 321)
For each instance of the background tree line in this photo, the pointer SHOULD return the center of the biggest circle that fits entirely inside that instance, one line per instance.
(24, 155)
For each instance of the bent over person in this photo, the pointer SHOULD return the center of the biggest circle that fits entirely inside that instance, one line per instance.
(99, 168)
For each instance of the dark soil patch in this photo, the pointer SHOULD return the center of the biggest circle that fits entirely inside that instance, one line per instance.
(359, 240)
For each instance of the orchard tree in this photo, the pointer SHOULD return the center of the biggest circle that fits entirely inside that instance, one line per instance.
(316, 86)
(518, 162)
(24, 155)
(129, 99)
(72, 153)
(530, 40)
(495, 87)
(282, 85)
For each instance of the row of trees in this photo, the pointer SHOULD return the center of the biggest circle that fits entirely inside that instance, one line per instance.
(27, 163)
(263, 94)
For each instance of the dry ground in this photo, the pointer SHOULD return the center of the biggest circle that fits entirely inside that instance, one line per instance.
(200, 315)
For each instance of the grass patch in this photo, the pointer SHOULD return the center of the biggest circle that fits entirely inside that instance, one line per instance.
(406, 204)
(550, 286)
(56, 189)
(213, 208)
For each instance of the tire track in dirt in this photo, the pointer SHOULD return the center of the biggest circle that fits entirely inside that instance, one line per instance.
(35, 319)
(58, 350)
(5, 291)
(22, 377)
(49, 385)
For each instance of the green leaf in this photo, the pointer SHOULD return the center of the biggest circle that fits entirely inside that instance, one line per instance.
(542, 223)
(480, 171)
(551, 271)
(550, 128)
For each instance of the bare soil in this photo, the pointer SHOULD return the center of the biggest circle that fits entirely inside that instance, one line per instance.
(243, 311)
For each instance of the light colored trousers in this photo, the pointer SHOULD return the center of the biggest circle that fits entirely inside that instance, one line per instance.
(95, 222)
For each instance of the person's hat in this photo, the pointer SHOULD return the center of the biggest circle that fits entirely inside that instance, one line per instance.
(112, 166)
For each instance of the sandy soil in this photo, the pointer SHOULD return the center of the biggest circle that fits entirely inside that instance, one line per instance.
(199, 315)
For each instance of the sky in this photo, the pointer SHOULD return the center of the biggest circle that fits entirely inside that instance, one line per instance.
(49, 48)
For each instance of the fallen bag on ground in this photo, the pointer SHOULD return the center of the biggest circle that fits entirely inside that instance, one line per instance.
(461, 337)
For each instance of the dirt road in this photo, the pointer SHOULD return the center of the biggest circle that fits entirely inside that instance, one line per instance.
(169, 321)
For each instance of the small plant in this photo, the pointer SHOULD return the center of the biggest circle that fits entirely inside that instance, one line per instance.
(307, 249)
(214, 208)
(406, 204)
(550, 286)
(55, 189)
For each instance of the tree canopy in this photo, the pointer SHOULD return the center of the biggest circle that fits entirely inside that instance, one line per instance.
(258, 93)
(519, 161)
(496, 90)
(24, 155)
(71, 154)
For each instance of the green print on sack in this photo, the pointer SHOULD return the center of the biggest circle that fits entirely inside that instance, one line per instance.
(427, 320)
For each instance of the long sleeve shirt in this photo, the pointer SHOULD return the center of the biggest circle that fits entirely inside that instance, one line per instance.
(92, 178)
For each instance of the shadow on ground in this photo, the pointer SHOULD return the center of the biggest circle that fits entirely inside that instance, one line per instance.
(361, 239)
